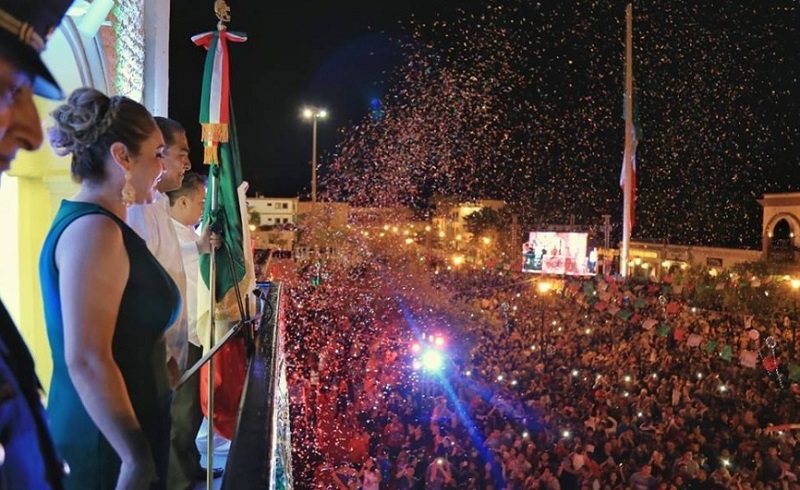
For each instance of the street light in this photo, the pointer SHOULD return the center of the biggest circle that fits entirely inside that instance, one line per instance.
(795, 287)
(314, 114)
(544, 287)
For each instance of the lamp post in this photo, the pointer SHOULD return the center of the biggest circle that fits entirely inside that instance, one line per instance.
(795, 287)
(314, 114)
(544, 288)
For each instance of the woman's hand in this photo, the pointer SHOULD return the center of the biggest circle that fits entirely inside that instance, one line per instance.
(173, 372)
(137, 475)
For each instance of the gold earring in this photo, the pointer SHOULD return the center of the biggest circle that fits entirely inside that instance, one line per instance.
(128, 191)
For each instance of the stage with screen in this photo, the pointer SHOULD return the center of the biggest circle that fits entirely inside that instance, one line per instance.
(552, 252)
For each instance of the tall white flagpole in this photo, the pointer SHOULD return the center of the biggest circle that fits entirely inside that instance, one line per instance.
(627, 203)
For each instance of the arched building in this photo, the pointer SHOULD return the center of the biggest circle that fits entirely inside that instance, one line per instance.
(780, 231)
(780, 227)
(118, 47)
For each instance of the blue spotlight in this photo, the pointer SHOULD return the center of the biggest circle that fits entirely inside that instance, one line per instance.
(432, 360)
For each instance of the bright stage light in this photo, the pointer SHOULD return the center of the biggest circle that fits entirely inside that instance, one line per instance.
(415, 347)
(438, 341)
(432, 360)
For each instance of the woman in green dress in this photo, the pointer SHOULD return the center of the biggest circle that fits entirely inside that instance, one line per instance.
(107, 300)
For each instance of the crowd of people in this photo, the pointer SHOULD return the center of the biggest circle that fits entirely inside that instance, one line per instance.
(594, 384)
(544, 390)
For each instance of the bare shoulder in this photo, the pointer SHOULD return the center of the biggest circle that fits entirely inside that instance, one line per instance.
(89, 235)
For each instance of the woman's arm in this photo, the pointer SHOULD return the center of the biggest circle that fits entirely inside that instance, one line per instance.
(93, 272)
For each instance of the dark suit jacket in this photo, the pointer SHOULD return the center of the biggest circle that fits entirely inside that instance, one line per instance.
(31, 461)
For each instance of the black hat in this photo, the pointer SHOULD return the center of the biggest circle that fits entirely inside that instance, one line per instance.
(25, 26)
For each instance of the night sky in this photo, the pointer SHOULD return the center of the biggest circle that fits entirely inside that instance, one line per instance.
(330, 54)
(519, 100)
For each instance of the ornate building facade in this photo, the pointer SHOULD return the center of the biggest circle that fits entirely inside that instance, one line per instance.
(118, 47)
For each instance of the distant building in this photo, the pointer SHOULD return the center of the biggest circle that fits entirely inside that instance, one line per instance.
(272, 221)
(780, 227)
(780, 232)
(273, 211)
(656, 260)
(450, 219)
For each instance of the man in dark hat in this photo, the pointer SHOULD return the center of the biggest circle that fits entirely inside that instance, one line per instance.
(27, 457)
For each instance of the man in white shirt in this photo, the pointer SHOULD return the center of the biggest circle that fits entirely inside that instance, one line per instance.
(153, 223)
(186, 206)
(186, 209)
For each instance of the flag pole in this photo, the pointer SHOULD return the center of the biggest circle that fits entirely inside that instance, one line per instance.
(215, 121)
(212, 287)
(627, 203)
(214, 131)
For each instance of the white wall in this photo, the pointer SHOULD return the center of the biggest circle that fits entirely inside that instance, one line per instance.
(9, 247)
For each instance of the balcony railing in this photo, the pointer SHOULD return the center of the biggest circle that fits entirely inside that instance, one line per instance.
(260, 454)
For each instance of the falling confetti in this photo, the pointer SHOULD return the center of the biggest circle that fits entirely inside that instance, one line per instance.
(522, 101)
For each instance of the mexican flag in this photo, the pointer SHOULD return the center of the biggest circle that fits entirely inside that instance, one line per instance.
(234, 277)
(233, 259)
(635, 137)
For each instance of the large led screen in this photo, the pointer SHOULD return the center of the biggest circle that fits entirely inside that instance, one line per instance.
(552, 252)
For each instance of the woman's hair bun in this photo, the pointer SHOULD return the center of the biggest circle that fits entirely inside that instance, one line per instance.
(81, 121)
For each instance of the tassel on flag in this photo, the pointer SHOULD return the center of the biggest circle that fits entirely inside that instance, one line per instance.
(214, 110)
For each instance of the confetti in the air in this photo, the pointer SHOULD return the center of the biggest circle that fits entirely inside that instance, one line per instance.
(522, 101)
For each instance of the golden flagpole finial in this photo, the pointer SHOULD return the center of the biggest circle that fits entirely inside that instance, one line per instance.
(223, 12)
